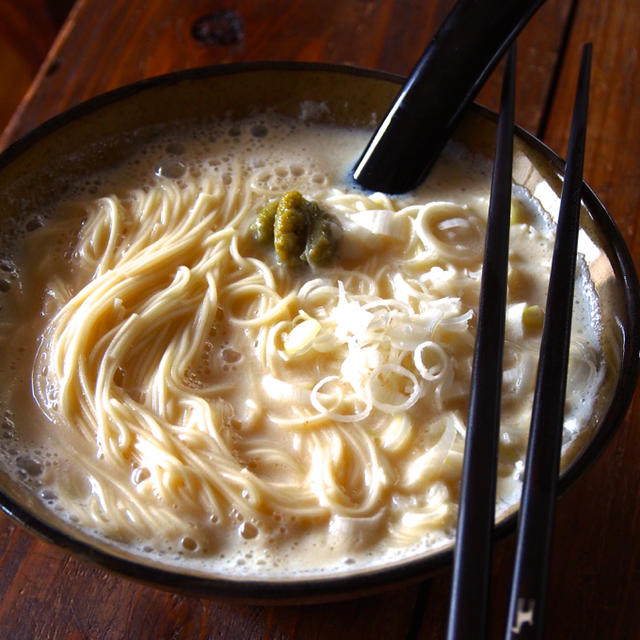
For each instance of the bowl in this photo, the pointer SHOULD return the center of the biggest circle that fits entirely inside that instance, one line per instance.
(102, 132)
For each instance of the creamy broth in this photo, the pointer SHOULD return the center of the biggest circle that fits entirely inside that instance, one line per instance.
(175, 390)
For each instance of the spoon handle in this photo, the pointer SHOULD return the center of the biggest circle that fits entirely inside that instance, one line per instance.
(447, 77)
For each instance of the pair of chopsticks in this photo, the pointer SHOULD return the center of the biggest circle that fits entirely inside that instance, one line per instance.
(468, 617)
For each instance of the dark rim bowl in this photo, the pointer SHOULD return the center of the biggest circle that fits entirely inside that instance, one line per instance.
(50, 157)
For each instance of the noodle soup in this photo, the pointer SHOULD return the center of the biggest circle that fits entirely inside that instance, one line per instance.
(185, 395)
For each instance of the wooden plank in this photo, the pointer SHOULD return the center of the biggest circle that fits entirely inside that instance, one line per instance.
(611, 163)
(146, 39)
(53, 595)
(27, 30)
(595, 584)
(538, 46)
(156, 38)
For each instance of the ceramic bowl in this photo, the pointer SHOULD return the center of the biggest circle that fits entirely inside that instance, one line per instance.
(100, 132)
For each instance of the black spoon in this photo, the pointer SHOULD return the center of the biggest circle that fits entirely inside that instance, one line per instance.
(447, 77)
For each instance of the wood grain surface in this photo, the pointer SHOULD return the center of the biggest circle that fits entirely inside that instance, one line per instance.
(27, 31)
(595, 570)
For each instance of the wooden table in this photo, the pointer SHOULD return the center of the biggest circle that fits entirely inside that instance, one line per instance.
(595, 570)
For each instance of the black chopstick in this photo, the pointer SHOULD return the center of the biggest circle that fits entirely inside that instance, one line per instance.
(472, 555)
(535, 526)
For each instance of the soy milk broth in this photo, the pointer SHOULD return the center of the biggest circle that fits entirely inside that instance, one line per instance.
(211, 462)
